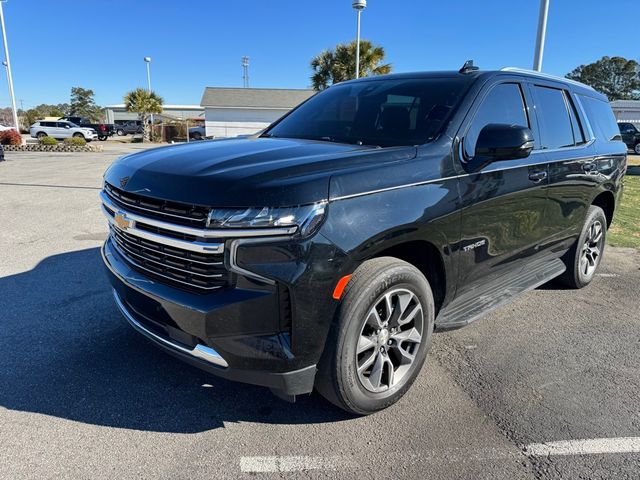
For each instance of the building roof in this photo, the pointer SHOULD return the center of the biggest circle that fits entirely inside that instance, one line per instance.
(166, 106)
(626, 104)
(275, 98)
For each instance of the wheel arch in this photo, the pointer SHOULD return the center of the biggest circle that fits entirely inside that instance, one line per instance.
(607, 202)
(426, 257)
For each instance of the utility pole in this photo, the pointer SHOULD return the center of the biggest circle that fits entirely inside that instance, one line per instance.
(245, 70)
(542, 31)
(7, 63)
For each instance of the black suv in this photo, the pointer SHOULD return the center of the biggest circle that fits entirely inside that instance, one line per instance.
(630, 136)
(323, 252)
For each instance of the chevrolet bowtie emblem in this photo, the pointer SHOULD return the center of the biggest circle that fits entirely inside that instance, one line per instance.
(121, 220)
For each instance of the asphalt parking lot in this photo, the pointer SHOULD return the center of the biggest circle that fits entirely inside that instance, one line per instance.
(83, 396)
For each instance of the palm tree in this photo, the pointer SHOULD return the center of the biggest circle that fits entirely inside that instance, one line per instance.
(144, 103)
(333, 66)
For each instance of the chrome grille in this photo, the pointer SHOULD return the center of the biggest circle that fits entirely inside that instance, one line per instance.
(174, 212)
(185, 268)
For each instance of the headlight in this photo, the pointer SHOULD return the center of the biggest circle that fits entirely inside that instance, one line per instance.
(303, 219)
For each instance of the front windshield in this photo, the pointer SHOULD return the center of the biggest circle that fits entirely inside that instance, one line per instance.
(379, 112)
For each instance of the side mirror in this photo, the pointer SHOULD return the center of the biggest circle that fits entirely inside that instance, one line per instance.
(498, 141)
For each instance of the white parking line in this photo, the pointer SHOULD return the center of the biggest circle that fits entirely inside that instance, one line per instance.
(286, 464)
(594, 446)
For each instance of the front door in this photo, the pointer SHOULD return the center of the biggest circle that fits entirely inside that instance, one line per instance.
(504, 203)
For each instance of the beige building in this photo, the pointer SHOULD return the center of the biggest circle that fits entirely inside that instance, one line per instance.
(230, 112)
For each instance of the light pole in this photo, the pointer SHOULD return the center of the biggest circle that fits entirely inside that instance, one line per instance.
(245, 70)
(147, 60)
(7, 64)
(358, 5)
(542, 31)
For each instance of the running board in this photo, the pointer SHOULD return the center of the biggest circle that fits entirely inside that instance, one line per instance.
(482, 300)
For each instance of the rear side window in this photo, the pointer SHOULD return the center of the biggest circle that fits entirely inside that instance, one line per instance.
(553, 117)
(601, 118)
(504, 104)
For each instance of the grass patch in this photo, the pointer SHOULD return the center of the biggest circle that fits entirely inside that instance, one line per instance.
(625, 231)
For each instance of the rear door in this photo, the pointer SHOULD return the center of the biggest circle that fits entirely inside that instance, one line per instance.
(504, 203)
(568, 147)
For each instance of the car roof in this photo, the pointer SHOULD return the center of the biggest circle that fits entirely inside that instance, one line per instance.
(474, 75)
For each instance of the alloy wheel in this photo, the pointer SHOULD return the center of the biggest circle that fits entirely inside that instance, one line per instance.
(389, 340)
(592, 249)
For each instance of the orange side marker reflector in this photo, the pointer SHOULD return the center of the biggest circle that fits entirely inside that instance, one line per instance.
(337, 292)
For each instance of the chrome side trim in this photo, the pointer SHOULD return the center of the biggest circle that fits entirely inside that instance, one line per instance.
(197, 232)
(202, 352)
(396, 187)
(199, 247)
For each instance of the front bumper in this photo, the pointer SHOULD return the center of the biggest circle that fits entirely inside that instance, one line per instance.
(239, 332)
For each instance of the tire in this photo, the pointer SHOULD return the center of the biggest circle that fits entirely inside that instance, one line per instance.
(583, 259)
(120, 133)
(41, 135)
(349, 379)
(637, 148)
(196, 136)
(78, 135)
(102, 138)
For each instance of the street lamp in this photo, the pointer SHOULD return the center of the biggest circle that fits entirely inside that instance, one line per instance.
(358, 5)
(7, 64)
(542, 31)
(147, 60)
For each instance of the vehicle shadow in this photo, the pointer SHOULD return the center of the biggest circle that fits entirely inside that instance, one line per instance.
(66, 352)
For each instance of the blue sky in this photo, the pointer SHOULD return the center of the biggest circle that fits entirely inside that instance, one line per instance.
(101, 44)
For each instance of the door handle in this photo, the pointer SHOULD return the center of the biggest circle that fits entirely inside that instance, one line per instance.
(537, 176)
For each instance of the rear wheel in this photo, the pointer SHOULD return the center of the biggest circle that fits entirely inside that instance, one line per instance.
(381, 339)
(196, 136)
(120, 132)
(40, 135)
(637, 148)
(102, 138)
(583, 259)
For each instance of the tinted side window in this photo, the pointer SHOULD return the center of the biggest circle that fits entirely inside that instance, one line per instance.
(578, 133)
(47, 124)
(504, 104)
(553, 117)
(601, 118)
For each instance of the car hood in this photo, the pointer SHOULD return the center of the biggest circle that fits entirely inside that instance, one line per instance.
(245, 172)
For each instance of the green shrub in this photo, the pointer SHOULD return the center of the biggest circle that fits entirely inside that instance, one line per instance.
(48, 141)
(10, 137)
(78, 141)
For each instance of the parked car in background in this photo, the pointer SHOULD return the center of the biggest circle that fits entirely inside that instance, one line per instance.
(104, 130)
(197, 133)
(630, 136)
(61, 129)
(324, 252)
(130, 127)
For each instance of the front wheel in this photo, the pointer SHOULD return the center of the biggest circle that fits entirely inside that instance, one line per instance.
(381, 339)
(102, 138)
(78, 135)
(583, 259)
(637, 148)
(120, 133)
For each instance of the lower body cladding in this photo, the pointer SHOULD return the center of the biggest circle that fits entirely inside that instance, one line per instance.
(268, 333)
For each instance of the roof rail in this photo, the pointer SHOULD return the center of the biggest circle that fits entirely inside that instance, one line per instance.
(545, 75)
